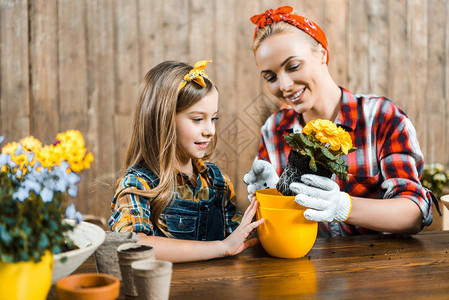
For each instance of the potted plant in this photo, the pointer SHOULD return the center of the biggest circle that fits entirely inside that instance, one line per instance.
(285, 232)
(435, 178)
(316, 150)
(36, 183)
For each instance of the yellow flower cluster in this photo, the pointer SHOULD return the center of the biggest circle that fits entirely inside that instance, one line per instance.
(29, 144)
(69, 146)
(328, 133)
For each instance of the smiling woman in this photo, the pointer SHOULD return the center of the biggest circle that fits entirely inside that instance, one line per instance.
(181, 205)
(292, 55)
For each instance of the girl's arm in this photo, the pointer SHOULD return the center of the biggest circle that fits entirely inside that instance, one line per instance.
(395, 215)
(176, 250)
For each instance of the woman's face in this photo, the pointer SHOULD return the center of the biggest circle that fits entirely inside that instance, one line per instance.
(291, 70)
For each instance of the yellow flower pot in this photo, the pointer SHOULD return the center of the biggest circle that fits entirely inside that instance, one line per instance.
(285, 232)
(26, 280)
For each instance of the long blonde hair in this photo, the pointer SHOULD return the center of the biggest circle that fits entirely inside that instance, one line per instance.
(153, 143)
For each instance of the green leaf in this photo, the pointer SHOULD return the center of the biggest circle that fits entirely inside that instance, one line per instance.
(312, 163)
(43, 243)
(327, 154)
(6, 257)
(56, 249)
(5, 236)
(352, 150)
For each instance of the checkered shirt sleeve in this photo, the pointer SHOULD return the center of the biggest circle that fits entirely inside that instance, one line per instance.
(232, 215)
(131, 212)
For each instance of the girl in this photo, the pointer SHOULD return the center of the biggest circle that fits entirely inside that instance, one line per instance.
(386, 195)
(183, 207)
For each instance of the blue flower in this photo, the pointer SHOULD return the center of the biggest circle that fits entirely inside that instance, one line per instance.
(30, 156)
(4, 159)
(32, 185)
(47, 194)
(68, 180)
(19, 150)
(18, 173)
(21, 194)
(73, 191)
(72, 213)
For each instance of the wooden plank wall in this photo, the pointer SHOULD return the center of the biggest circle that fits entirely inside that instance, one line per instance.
(76, 64)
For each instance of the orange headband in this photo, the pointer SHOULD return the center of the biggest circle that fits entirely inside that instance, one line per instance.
(283, 14)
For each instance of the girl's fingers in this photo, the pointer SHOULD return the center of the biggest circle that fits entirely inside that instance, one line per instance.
(251, 243)
(249, 212)
(258, 222)
(251, 206)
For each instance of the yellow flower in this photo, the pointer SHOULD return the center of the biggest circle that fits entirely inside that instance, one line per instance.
(69, 147)
(10, 148)
(329, 134)
(88, 160)
(21, 159)
(345, 142)
(30, 144)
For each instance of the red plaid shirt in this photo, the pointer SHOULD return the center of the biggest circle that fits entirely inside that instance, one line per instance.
(387, 164)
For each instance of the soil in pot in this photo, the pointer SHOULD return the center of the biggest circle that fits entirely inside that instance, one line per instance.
(297, 165)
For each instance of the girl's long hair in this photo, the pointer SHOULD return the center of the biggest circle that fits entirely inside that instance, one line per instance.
(153, 143)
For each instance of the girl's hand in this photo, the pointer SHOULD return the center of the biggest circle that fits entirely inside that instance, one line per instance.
(236, 242)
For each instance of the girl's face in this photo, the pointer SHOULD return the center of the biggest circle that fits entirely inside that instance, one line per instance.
(291, 70)
(195, 127)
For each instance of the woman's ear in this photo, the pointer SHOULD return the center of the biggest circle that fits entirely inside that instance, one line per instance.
(323, 55)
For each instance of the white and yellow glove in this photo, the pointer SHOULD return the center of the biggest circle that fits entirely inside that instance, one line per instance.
(261, 176)
(323, 198)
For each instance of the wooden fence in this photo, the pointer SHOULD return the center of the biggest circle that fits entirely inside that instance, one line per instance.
(76, 64)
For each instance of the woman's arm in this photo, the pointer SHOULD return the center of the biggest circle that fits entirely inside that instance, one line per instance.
(176, 250)
(395, 215)
(327, 203)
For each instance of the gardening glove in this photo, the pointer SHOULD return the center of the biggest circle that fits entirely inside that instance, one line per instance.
(261, 176)
(322, 196)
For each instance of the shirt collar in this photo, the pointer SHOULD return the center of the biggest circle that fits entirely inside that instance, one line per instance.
(348, 112)
(198, 164)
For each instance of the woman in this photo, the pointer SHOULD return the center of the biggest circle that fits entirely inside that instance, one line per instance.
(385, 192)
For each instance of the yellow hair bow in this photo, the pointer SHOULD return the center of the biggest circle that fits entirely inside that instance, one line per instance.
(197, 74)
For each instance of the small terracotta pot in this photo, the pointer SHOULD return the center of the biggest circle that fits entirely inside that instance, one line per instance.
(127, 254)
(88, 286)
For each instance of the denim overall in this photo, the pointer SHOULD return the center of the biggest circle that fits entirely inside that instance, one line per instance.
(190, 220)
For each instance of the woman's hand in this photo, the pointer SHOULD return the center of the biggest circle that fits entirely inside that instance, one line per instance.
(322, 196)
(261, 176)
(237, 242)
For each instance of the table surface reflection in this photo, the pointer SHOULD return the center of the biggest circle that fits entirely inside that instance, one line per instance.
(375, 266)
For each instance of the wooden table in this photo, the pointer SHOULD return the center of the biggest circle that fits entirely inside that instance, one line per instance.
(379, 266)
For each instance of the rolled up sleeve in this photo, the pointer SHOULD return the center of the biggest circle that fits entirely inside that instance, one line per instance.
(131, 212)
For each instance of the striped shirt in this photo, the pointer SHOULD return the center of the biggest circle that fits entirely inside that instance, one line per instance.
(132, 212)
(387, 164)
